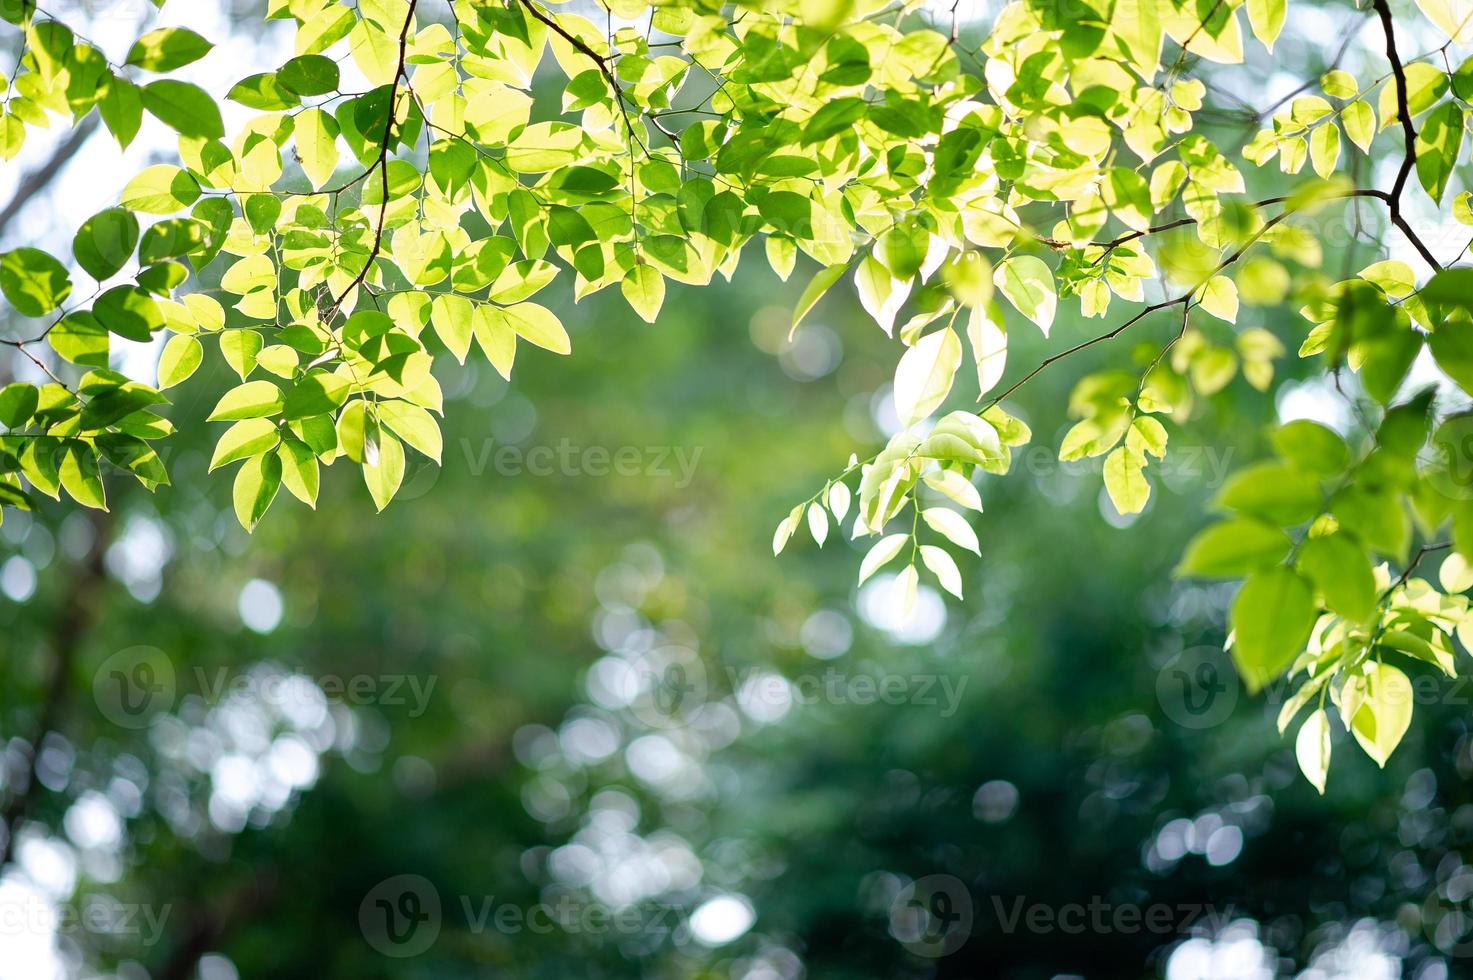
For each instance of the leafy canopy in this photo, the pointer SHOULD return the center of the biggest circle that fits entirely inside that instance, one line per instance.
(332, 246)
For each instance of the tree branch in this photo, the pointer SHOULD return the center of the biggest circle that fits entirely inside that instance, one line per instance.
(605, 69)
(41, 177)
(382, 163)
(1183, 300)
(1408, 131)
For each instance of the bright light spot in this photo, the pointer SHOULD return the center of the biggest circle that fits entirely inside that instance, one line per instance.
(826, 634)
(654, 758)
(765, 696)
(1235, 954)
(260, 605)
(878, 610)
(588, 740)
(92, 822)
(50, 865)
(995, 801)
(138, 557)
(720, 920)
(292, 761)
(1224, 846)
(213, 966)
(815, 352)
(18, 579)
(28, 945)
(1317, 401)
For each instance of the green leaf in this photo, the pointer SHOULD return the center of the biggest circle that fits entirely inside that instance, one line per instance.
(121, 110)
(1439, 140)
(1454, 286)
(263, 91)
(821, 282)
(299, 470)
(383, 470)
(832, 118)
(252, 400)
(316, 393)
(1324, 149)
(1359, 120)
(79, 475)
(1137, 26)
(1275, 492)
(129, 312)
(953, 527)
(1341, 570)
(539, 326)
(256, 484)
(1219, 296)
(311, 74)
(167, 48)
(496, 339)
(883, 552)
(245, 438)
(1311, 446)
(185, 108)
(1454, 575)
(1271, 619)
(316, 140)
(1128, 196)
(1234, 548)
(1453, 17)
(79, 338)
(644, 290)
(453, 319)
(414, 425)
(18, 403)
(925, 374)
(239, 348)
(1376, 704)
(180, 358)
(1029, 285)
(33, 281)
(1452, 349)
(161, 189)
(943, 566)
(1396, 278)
(1125, 480)
(105, 242)
(1312, 749)
(109, 401)
(1266, 17)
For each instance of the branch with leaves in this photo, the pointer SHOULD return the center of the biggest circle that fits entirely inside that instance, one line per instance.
(398, 198)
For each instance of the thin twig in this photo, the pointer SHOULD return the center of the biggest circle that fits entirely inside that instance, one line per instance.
(1408, 130)
(382, 164)
(604, 68)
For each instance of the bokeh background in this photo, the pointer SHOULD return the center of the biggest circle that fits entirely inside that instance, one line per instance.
(558, 711)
